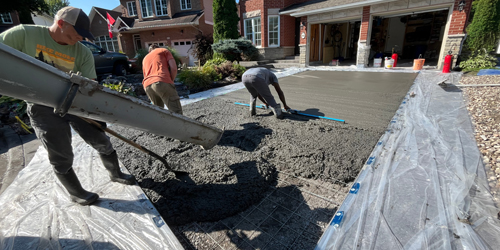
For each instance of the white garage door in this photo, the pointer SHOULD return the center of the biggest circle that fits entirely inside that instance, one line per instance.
(184, 49)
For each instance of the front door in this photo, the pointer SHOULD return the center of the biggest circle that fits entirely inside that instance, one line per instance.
(137, 42)
(314, 45)
(297, 36)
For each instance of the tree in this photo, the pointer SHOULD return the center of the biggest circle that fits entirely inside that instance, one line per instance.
(225, 20)
(483, 32)
(24, 8)
(56, 5)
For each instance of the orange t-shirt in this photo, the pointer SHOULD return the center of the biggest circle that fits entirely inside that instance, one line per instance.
(155, 67)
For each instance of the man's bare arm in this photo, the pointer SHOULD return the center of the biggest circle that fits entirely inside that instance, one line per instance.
(173, 69)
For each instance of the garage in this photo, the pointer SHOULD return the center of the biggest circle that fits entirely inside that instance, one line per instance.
(338, 42)
(410, 35)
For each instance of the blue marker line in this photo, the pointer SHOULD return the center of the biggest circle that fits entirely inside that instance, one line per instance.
(295, 112)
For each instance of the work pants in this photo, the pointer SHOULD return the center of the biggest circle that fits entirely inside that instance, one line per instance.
(256, 85)
(54, 133)
(161, 94)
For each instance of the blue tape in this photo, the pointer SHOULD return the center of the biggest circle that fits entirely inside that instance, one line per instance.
(355, 188)
(337, 219)
(142, 198)
(158, 221)
(370, 160)
(379, 143)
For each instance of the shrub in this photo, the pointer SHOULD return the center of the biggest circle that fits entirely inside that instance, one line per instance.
(216, 61)
(226, 20)
(176, 55)
(140, 54)
(211, 72)
(202, 47)
(193, 78)
(18, 107)
(239, 70)
(484, 30)
(120, 87)
(478, 60)
(228, 69)
(236, 49)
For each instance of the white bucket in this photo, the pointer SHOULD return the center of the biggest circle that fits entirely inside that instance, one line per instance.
(377, 62)
(389, 63)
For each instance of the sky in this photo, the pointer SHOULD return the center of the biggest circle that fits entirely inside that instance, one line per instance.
(86, 5)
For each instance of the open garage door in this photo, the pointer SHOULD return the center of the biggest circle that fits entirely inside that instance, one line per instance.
(339, 41)
(410, 35)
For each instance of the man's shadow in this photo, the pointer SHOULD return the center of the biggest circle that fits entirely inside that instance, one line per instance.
(183, 201)
(246, 139)
(306, 115)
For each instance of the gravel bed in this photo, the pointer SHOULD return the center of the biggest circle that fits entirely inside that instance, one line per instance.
(483, 104)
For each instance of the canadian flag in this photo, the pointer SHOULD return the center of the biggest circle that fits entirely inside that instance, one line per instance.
(111, 21)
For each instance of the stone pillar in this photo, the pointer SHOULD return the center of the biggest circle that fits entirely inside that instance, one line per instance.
(364, 38)
(302, 58)
(456, 32)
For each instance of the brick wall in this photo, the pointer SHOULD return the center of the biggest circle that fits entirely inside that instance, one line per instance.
(365, 24)
(459, 18)
(287, 30)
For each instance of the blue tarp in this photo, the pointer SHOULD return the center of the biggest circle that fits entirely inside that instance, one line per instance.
(488, 72)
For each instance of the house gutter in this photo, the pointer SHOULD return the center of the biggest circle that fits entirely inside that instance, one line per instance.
(340, 7)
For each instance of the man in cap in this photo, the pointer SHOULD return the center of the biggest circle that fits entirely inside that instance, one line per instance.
(257, 81)
(59, 46)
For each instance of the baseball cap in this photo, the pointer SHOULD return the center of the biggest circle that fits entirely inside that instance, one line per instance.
(78, 19)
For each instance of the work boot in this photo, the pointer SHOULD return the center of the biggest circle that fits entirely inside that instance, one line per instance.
(111, 164)
(253, 102)
(277, 111)
(76, 192)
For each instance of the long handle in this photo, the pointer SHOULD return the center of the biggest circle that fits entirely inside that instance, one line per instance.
(116, 135)
(149, 152)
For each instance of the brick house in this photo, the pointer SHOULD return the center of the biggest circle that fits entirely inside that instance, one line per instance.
(355, 31)
(166, 23)
(8, 20)
(99, 28)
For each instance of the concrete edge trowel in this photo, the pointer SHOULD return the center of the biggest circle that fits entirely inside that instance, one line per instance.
(29, 79)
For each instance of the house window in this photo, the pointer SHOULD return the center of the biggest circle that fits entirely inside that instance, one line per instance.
(6, 18)
(132, 10)
(146, 8)
(252, 31)
(161, 7)
(274, 31)
(107, 43)
(185, 4)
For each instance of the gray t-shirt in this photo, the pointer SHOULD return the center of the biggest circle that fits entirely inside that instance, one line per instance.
(263, 73)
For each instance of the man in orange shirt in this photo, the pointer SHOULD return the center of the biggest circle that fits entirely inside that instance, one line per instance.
(160, 70)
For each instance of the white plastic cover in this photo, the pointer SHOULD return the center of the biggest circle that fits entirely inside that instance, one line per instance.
(424, 185)
(36, 212)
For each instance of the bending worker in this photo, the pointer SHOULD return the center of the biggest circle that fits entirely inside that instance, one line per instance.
(59, 45)
(257, 81)
(160, 70)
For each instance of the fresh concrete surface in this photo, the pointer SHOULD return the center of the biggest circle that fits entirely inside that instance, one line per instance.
(331, 94)
(16, 151)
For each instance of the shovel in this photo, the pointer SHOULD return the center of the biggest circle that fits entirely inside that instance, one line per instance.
(178, 174)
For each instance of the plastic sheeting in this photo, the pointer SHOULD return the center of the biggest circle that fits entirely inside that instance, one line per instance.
(424, 185)
(488, 72)
(36, 211)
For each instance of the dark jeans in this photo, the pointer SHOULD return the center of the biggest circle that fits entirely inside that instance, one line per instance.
(55, 134)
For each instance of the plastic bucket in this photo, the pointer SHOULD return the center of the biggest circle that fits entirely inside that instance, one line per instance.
(377, 62)
(418, 64)
(389, 62)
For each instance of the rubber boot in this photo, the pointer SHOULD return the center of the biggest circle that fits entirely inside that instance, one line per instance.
(277, 111)
(253, 102)
(111, 164)
(76, 192)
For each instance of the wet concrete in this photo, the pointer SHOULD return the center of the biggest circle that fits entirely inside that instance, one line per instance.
(237, 173)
